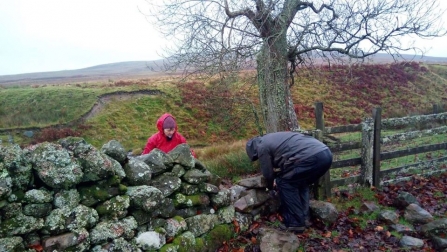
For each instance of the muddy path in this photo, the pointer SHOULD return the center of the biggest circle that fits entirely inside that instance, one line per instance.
(116, 96)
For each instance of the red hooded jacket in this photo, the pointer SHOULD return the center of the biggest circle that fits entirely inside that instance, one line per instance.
(160, 141)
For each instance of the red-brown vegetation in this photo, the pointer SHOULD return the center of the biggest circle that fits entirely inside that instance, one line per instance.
(53, 134)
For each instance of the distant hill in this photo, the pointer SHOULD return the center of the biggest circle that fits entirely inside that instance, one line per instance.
(142, 69)
(114, 71)
(383, 57)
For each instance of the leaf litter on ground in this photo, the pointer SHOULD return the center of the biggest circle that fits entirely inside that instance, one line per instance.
(347, 233)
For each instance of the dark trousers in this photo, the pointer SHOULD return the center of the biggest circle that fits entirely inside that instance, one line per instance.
(294, 187)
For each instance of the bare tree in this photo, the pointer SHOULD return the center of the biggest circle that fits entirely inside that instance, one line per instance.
(225, 36)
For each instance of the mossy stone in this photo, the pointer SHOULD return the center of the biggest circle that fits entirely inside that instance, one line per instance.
(169, 248)
(115, 207)
(37, 210)
(218, 235)
(181, 200)
(12, 244)
(186, 242)
(92, 195)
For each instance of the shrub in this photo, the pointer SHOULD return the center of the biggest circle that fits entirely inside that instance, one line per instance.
(53, 134)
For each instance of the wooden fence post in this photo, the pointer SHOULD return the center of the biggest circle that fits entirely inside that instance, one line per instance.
(366, 168)
(435, 109)
(377, 114)
(322, 189)
(319, 116)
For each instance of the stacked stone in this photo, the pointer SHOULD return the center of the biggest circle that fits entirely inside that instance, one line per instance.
(70, 196)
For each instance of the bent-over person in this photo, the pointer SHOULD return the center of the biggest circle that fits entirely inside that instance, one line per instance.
(291, 162)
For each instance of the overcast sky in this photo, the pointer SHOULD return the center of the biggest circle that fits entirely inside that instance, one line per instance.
(53, 35)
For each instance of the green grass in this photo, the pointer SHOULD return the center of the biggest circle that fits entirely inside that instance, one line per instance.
(130, 122)
(355, 201)
(37, 107)
(232, 165)
(361, 195)
(391, 163)
(228, 160)
(209, 130)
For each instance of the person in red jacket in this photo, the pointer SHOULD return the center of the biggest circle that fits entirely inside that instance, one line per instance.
(167, 137)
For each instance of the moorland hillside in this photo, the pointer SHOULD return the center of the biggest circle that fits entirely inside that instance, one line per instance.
(210, 111)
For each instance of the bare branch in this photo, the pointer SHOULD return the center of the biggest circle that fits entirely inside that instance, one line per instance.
(233, 14)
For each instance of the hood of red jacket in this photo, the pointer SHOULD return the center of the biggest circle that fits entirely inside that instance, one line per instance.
(162, 119)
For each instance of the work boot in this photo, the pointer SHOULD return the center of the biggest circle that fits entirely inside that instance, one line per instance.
(296, 230)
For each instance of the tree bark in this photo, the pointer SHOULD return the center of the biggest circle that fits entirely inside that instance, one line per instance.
(273, 81)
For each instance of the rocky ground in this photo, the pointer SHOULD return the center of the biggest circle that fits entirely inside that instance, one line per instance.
(347, 234)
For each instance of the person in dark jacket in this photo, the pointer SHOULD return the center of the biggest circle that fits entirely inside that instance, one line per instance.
(290, 162)
(167, 137)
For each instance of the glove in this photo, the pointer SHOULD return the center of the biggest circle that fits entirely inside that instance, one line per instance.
(273, 194)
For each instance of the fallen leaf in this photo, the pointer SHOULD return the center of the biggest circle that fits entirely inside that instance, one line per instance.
(378, 228)
(254, 240)
(224, 248)
(336, 240)
(237, 227)
(253, 226)
(36, 247)
(388, 234)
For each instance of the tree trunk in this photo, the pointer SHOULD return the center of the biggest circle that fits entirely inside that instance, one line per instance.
(273, 82)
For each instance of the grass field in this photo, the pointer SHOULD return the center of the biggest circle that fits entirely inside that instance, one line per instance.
(216, 115)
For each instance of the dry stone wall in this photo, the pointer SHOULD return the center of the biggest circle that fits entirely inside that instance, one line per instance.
(70, 196)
